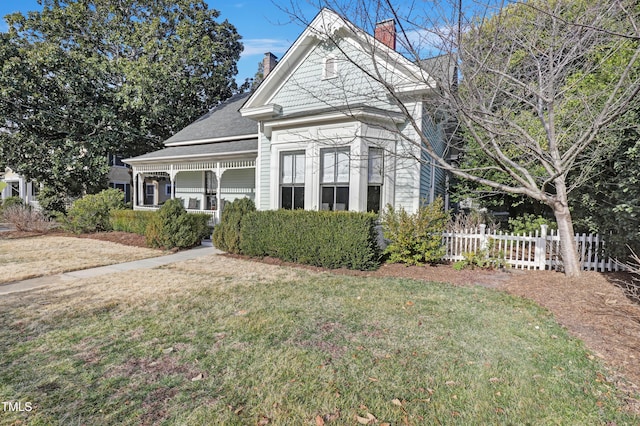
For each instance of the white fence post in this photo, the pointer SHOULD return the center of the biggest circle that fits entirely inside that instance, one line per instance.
(484, 241)
(540, 256)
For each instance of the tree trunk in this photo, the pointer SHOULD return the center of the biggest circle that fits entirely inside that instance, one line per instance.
(568, 249)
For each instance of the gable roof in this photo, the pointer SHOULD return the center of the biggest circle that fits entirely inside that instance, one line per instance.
(222, 122)
(324, 26)
(220, 132)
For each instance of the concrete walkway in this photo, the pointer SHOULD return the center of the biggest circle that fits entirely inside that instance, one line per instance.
(153, 262)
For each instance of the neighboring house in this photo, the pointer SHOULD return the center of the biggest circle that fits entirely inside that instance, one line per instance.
(317, 134)
(17, 186)
(120, 176)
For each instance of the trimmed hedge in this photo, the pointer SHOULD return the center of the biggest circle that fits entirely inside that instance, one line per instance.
(226, 235)
(134, 221)
(327, 239)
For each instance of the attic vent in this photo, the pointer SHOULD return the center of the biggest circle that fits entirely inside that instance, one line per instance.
(330, 69)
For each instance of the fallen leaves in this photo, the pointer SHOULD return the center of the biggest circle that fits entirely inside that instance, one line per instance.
(197, 378)
(367, 420)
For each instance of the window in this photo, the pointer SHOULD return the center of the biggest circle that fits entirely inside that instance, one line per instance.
(125, 188)
(292, 180)
(14, 189)
(116, 160)
(35, 189)
(375, 179)
(330, 69)
(167, 189)
(334, 187)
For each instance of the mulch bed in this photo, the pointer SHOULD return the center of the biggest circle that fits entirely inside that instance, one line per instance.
(597, 308)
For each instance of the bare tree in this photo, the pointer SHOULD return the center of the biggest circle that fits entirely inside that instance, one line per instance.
(531, 87)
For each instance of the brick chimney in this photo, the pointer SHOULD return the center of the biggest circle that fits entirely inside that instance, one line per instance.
(268, 64)
(385, 33)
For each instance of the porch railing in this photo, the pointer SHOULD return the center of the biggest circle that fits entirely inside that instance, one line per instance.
(214, 214)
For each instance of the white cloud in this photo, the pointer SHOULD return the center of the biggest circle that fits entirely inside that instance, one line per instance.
(259, 46)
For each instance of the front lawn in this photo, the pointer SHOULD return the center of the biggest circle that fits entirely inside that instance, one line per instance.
(23, 258)
(224, 341)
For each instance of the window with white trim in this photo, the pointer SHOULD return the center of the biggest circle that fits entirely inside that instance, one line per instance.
(375, 179)
(14, 189)
(35, 189)
(334, 179)
(292, 180)
(125, 188)
(330, 68)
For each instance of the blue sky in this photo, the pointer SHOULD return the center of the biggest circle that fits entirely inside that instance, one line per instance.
(263, 27)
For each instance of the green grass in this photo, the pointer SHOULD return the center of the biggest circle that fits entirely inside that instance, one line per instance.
(288, 350)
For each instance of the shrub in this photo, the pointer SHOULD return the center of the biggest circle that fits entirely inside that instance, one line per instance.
(173, 227)
(91, 212)
(529, 223)
(486, 258)
(12, 201)
(415, 238)
(24, 218)
(134, 221)
(53, 202)
(226, 235)
(320, 238)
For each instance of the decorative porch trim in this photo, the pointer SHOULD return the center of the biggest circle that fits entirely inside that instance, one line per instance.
(197, 166)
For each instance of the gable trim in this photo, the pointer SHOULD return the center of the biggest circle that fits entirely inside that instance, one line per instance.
(328, 22)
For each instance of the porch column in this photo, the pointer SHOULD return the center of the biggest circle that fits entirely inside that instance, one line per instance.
(172, 178)
(134, 198)
(141, 189)
(219, 172)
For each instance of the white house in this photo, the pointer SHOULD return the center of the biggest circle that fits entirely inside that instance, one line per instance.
(18, 186)
(319, 133)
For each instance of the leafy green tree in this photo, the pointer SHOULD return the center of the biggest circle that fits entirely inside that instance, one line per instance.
(609, 203)
(83, 78)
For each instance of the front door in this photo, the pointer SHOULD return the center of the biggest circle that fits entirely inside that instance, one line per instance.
(149, 194)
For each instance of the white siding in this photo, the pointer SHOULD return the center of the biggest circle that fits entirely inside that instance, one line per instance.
(433, 132)
(306, 89)
(265, 170)
(190, 185)
(238, 184)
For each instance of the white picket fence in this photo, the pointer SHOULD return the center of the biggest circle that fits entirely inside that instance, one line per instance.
(540, 250)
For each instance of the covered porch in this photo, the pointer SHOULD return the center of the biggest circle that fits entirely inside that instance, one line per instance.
(203, 186)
